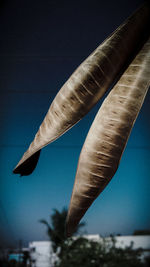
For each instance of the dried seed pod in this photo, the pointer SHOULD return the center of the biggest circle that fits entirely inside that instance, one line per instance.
(87, 85)
(108, 135)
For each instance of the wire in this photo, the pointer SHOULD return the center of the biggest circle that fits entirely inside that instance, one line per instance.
(71, 146)
(54, 146)
(28, 91)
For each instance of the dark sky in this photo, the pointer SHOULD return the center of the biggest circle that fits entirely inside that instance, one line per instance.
(41, 44)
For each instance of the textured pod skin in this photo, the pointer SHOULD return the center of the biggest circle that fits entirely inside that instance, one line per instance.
(108, 135)
(87, 85)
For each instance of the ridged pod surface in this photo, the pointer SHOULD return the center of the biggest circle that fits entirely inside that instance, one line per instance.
(88, 84)
(108, 135)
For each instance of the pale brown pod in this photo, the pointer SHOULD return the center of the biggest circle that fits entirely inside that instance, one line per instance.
(88, 84)
(108, 135)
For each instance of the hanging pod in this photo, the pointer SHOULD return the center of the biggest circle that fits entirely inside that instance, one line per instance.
(108, 135)
(88, 84)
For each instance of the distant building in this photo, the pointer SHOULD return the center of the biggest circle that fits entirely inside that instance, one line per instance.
(95, 238)
(19, 255)
(137, 241)
(41, 252)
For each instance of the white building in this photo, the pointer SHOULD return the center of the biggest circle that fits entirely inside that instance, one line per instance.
(42, 255)
(138, 241)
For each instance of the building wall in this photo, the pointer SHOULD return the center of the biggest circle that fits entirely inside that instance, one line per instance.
(42, 254)
(137, 242)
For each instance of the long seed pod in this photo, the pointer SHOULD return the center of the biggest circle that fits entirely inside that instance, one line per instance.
(108, 135)
(88, 84)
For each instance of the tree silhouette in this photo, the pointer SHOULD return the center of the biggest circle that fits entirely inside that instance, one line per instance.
(87, 253)
(56, 228)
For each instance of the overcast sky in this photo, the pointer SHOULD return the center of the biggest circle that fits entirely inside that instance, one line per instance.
(42, 43)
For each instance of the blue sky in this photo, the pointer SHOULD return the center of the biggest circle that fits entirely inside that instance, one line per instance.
(41, 45)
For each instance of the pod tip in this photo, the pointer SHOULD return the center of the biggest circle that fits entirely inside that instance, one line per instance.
(27, 167)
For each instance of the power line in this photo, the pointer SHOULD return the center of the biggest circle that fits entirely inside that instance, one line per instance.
(28, 91)
(39, 58)
(53, 146)
(70, 146)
